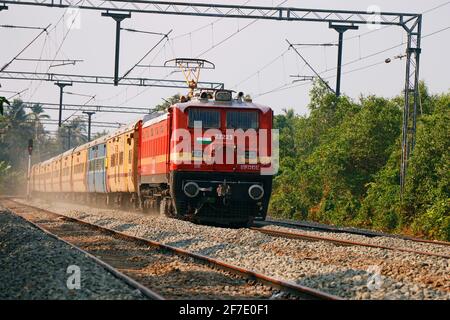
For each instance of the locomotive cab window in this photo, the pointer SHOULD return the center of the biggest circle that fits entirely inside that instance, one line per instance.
(242, 120)
(208, 118)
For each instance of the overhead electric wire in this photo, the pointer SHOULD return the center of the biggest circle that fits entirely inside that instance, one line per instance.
(427, 10)
(380, 52)
(143, 31)
(8, 91)
(79, 94)
(59, 47)
(48, 60)
(233, 34)
(312, 69)
(225, 39)
(76, 111)
(17, 93)
(385, 50)
(390, 26)
(290, 86)
(40, 57)
(149, 87)
(20, 27)
(262, 68)
(436, 7)
(114, 96)
(315, 44)
(353, 37)
(203, 27)
(164, 37)
(65, 36)
(25, 48)
(436, 32)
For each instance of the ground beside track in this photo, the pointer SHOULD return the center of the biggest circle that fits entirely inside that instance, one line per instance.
(33, 266)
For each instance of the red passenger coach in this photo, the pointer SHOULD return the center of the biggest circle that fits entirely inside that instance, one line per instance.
(155, 137)
(208, 159)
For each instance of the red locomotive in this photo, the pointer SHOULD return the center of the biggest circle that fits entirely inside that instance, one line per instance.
(208, 159)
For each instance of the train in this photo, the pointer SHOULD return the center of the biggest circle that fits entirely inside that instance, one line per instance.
(206, 159)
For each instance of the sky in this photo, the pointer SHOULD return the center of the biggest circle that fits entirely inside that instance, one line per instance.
(249, 55)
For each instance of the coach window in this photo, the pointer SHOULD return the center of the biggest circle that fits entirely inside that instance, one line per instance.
(242, 120)
(208, 118)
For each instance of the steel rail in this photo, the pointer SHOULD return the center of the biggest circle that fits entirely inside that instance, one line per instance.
(121, 276)
(304, 236)
(287, 286)
(367, 233)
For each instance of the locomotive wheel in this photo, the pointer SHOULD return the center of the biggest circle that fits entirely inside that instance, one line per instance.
(166, 207)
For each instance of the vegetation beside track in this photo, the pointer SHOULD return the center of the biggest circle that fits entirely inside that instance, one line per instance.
(340, 164)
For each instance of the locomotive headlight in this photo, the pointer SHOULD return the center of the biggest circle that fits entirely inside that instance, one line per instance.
(191, 189)
(223, 95)
(256, 192)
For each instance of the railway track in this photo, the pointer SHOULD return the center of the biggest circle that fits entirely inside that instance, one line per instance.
(172, 272)
(309, 237)
(332, 229)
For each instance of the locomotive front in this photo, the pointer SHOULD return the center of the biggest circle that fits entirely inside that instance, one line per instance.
(221, 162)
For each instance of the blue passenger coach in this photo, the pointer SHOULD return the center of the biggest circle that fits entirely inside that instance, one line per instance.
(96, 174)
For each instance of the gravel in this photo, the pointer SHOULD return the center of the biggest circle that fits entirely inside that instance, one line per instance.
(172, 276)
(33, 265)
(379, 240)
(352, 272)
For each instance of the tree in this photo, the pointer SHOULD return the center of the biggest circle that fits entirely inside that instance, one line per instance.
(17, 130)
(340, 164)
(73, 133)
(167, 103)
(100, 134)
(37, 115)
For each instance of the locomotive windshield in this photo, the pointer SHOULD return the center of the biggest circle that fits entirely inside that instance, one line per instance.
(209, 118)
(242, 120)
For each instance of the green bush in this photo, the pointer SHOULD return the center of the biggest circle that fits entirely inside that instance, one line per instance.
(340, 164)
(11, 182)
(435, 222)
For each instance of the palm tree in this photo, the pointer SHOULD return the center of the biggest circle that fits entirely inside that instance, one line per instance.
(17, 130)
(16, 114)
(37, 115)
(73, 131)
(79, 130)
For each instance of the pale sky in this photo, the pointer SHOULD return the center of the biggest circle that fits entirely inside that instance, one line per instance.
(237, 59)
